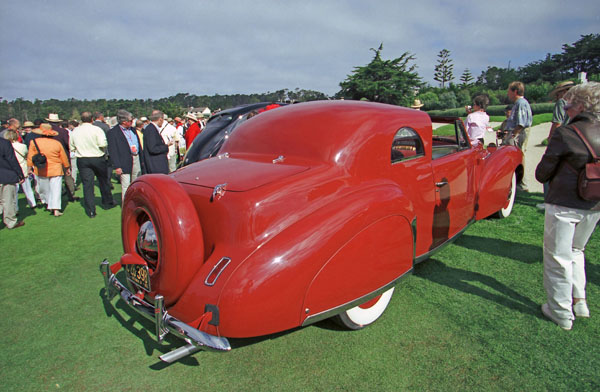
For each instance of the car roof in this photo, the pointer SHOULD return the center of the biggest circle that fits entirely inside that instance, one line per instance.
(327, 131)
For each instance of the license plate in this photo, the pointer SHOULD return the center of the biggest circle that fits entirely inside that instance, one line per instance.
(138, 274)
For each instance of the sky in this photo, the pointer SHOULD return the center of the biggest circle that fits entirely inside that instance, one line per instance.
(132, 49)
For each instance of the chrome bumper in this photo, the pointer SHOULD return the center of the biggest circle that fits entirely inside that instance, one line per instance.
(165, 323)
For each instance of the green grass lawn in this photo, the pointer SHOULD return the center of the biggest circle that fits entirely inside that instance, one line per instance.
(467, 319)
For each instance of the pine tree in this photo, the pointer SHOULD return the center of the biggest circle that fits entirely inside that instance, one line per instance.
(444, 68)
(388, 81)
(466, 77)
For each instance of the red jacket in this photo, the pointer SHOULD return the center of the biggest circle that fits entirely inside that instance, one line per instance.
(191, 133)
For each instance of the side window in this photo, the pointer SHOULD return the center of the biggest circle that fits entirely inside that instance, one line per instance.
(449, 139)
(406, 145)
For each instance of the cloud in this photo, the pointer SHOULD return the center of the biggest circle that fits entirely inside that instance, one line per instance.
(152, 49)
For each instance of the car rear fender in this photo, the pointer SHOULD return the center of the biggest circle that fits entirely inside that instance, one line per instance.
(268, 290)
(373, 258)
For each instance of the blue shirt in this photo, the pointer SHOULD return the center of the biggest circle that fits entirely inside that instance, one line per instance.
(520, 115)
(559, 115)
(131, 139)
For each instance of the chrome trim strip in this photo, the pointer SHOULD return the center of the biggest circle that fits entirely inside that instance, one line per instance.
(166, 323)
(413, 225)
(427, 255)
(339, 309)
(227, 261)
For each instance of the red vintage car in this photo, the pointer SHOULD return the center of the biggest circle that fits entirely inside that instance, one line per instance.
(311, 211)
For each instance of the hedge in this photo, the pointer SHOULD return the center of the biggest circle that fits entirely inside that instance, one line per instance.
(494, 110)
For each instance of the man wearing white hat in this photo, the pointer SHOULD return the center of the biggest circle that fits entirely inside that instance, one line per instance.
(63, 138)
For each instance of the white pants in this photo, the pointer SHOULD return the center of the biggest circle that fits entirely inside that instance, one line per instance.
(28, 191)
(8, 204)
(51, 191)
(172, 159)
(127, 179)
(566, 232)
(74, 169)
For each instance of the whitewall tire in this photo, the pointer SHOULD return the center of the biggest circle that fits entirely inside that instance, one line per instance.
(362, 315)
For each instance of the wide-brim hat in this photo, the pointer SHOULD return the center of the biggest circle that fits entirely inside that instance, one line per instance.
(28, 124)
(417, 104)
(53, 117)
(563, 86)
(191, 117)
(45, 130)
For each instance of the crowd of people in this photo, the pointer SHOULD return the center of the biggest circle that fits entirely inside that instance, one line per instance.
(40, 156)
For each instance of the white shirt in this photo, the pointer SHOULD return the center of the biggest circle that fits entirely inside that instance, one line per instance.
(21, 151)
(88, 141)
(169, 134)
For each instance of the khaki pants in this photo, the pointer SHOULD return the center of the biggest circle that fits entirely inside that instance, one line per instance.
(8, 204)
(520, 142)
(127, 179)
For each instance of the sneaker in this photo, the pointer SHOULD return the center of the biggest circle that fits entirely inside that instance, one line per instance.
(581, 309)
(563, 323)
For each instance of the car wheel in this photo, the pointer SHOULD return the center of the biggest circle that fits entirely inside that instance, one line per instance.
(510, 202)
(367, 313)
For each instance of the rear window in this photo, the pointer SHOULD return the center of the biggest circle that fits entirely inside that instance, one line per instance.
(406, 145)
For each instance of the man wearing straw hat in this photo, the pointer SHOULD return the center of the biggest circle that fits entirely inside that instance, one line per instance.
(559, 115)
(417, 104)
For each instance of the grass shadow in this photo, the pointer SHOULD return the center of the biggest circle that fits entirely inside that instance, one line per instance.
(530, 199)
(128, 318)
(511, 250)
(119, 309)
(459, 279)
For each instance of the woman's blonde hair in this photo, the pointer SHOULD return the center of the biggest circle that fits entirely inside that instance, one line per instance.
(11, 136)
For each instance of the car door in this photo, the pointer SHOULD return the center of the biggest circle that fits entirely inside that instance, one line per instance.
(411, 170)
(453, 166)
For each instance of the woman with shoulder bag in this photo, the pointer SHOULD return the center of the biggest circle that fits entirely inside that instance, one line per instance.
(21, 155)
(50, 172)
(570, 219)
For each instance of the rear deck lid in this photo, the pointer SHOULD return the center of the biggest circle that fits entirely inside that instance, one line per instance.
(239, 174)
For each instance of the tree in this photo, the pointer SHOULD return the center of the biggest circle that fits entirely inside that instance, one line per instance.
(444, 68)
(388, 81)
(495, 78)
(466, 78)
(583, 56)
